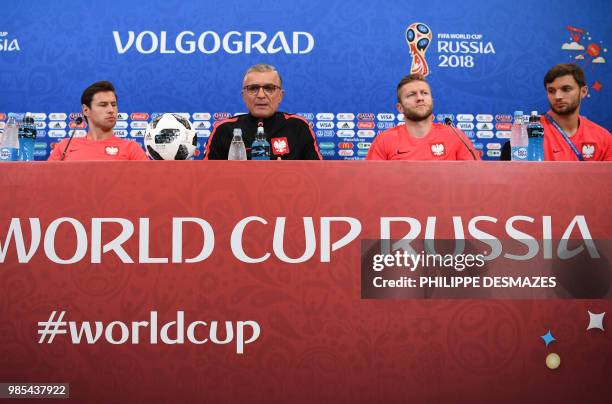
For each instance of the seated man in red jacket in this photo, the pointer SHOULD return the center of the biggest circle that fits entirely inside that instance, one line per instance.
(420, 138)
(567, 135)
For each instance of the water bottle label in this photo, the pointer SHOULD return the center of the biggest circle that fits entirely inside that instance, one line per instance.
(9, 154)
(519, 153)
(535, 131)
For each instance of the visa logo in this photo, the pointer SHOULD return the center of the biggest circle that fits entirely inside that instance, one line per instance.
(327, 145)
(202, 133)
(386, 117)
(325, 125)
(503, 134)
(465, 125)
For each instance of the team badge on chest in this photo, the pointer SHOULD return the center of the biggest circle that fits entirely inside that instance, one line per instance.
(588, 150)
(437, 149)
(111, 150)
(280, 146)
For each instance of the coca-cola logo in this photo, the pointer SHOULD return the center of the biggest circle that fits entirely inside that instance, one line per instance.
(503, 126)
(365, 125)
(139, 116)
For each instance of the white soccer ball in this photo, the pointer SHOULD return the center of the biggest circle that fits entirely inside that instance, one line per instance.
(170, 137)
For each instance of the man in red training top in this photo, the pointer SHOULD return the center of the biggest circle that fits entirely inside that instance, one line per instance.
(419, 138)
(565, 88)
(99, 103)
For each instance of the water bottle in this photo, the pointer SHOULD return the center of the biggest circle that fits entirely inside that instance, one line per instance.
(9, 147)
(518, 138)
(27, 137)
(237, 151)
(535, 132)
(260, 149)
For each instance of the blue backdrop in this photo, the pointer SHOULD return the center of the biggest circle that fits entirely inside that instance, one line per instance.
(339, 60)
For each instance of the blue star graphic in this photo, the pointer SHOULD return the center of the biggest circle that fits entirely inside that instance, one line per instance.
(548, 338)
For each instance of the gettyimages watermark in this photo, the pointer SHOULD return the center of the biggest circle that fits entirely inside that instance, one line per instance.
(239, 333)
(488, 268)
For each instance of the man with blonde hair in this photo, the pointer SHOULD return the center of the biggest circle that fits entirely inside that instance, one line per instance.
(419, 138)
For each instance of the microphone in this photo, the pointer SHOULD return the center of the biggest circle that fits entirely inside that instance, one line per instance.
(78, 121)
(449, 122)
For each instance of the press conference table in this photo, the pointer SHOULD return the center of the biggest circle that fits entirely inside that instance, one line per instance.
(320, 341)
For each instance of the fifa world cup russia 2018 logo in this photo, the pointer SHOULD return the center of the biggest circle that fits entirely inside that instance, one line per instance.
(418, 37)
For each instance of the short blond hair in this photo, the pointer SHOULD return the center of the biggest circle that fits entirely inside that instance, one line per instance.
(409, 79)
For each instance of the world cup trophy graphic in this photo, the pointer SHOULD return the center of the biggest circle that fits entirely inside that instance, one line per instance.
(418, 37)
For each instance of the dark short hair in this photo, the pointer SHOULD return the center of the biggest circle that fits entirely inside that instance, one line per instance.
(565, 69)
(409, 79)
(262, 68)
(98, 87)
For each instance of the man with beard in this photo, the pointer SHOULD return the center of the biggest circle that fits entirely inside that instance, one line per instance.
(420, 138)
(99, 104)
(567, 135)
